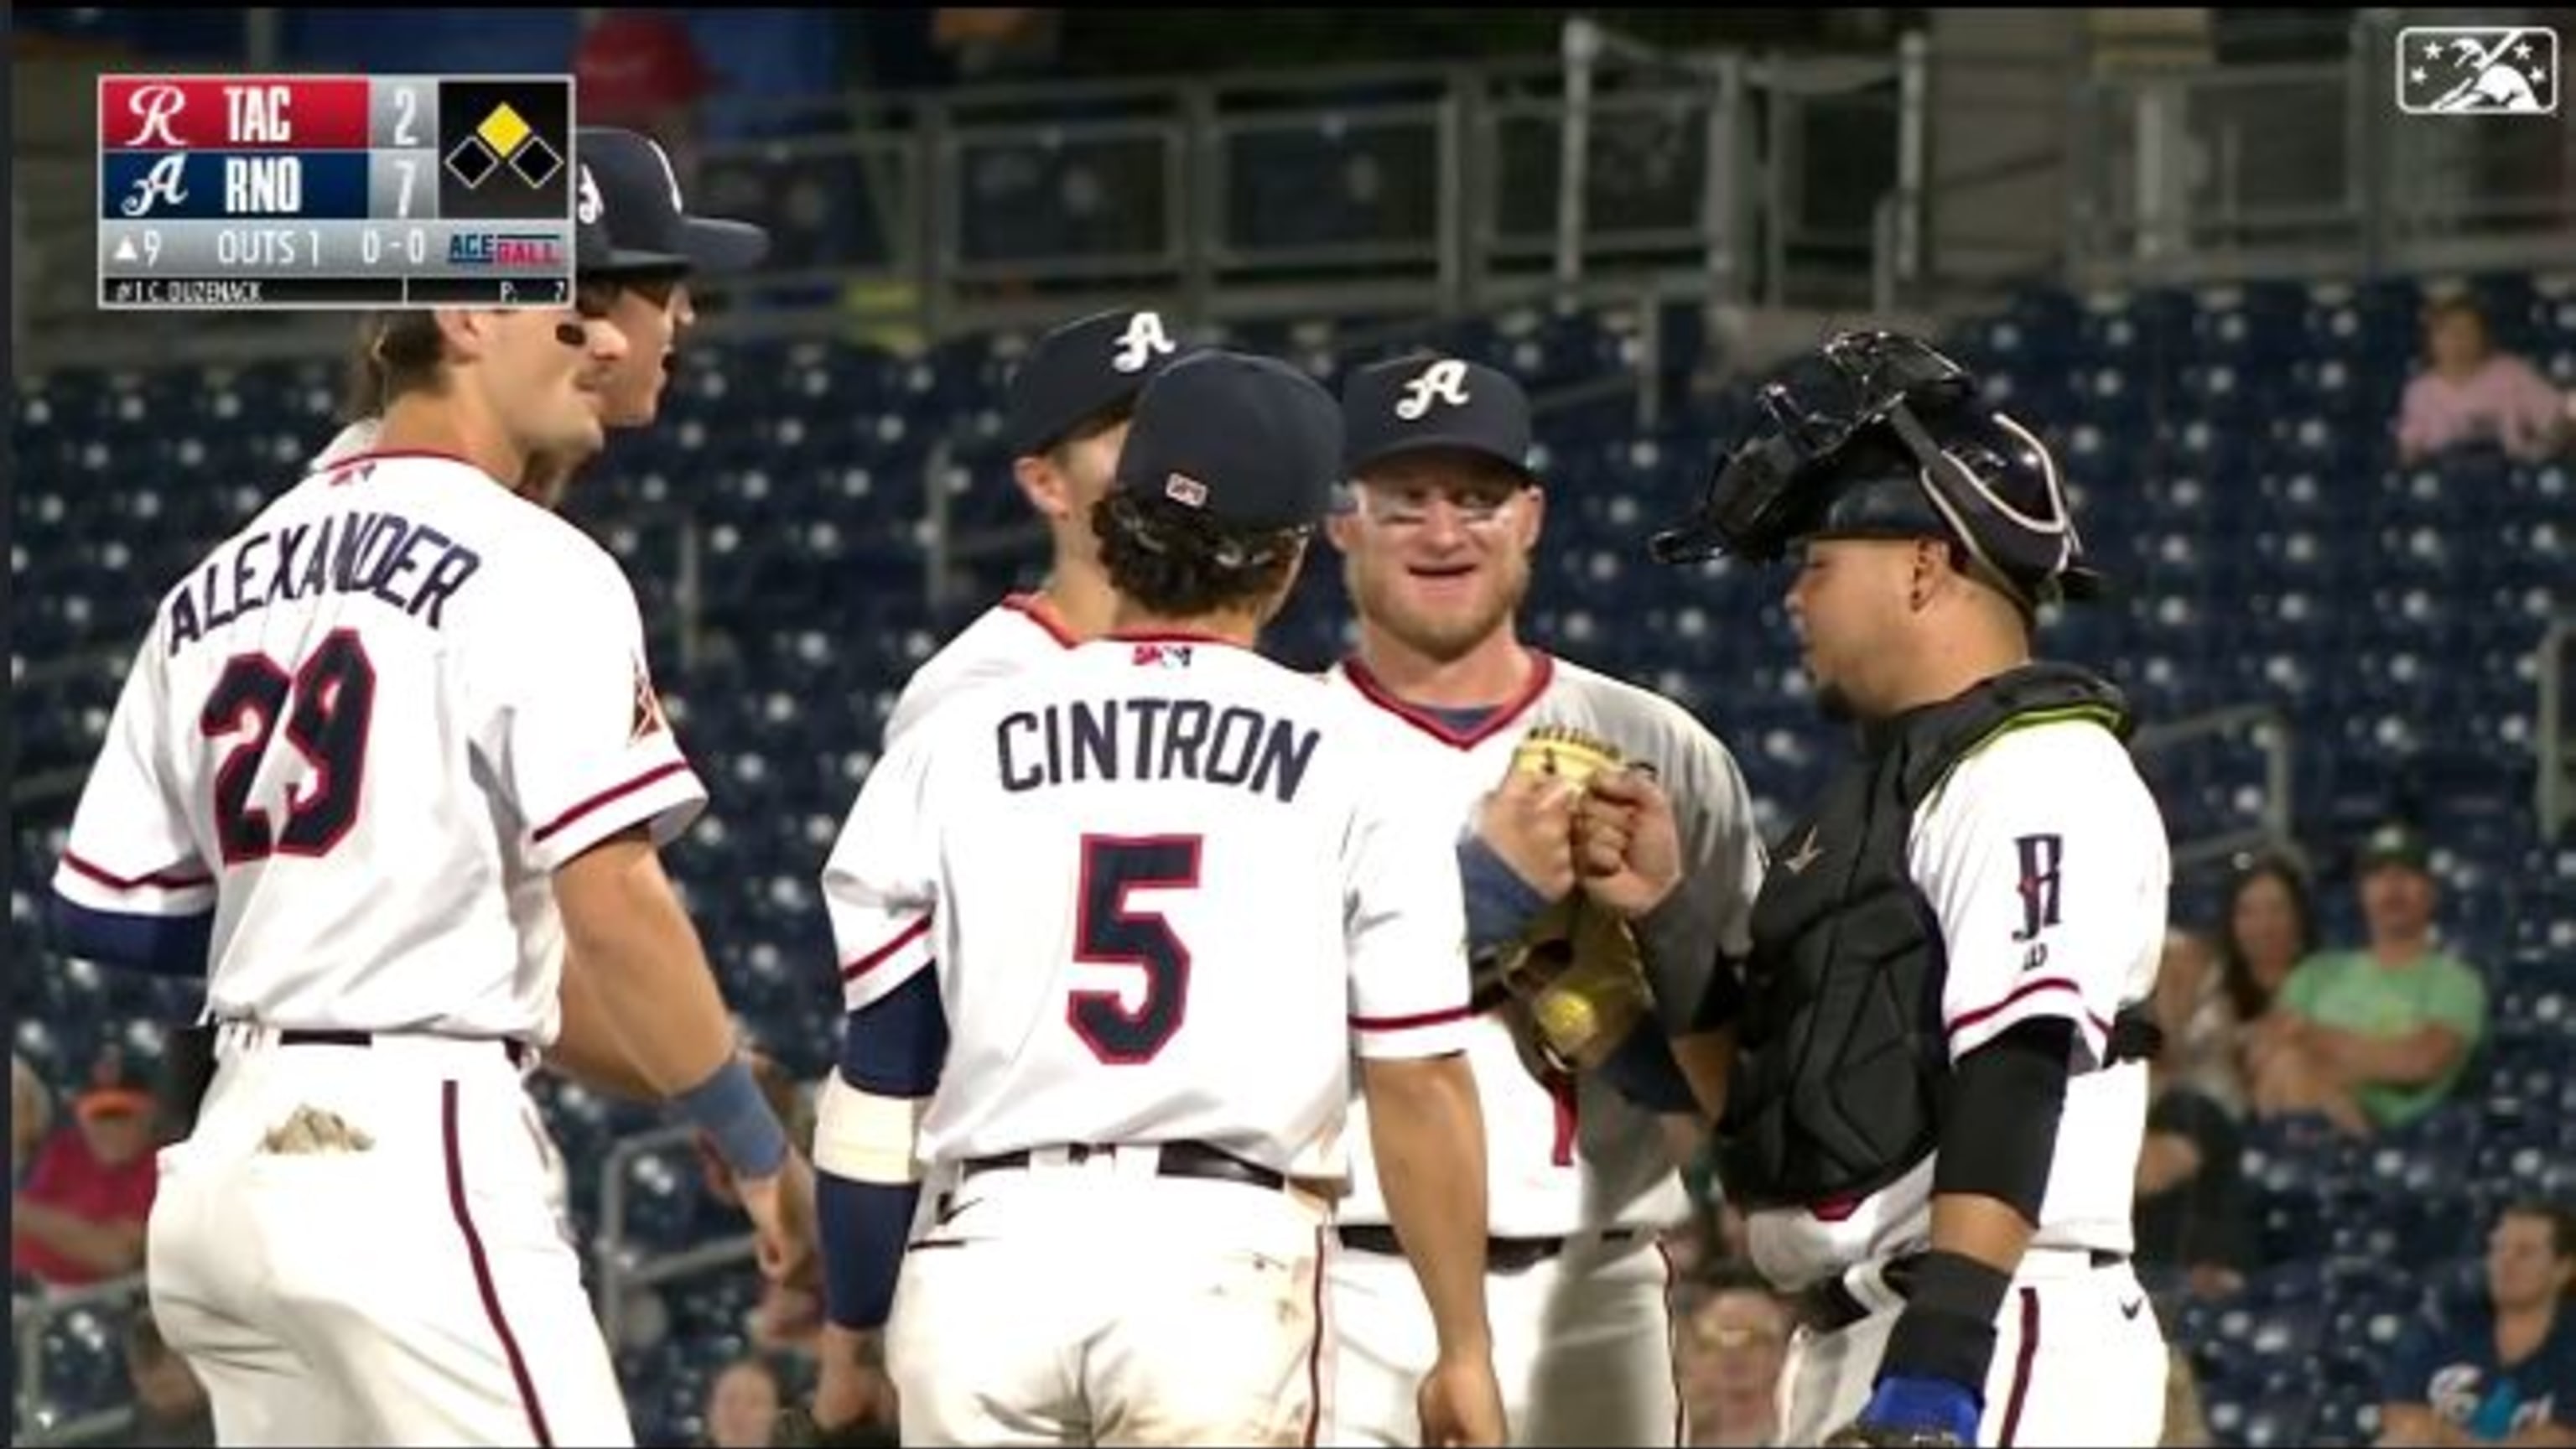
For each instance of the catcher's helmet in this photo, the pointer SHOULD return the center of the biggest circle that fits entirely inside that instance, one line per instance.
(1877, 435)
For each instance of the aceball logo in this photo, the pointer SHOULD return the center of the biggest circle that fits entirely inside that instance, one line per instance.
(503, 249)
(162, 183)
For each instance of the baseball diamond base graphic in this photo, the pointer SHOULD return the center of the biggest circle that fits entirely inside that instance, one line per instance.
(503, 149)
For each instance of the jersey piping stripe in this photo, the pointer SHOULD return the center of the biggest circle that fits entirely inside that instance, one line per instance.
(1035, 609)
(1673, 1343)
(871, 961)
(160, 880)
(609, 796)
(1408, 1023)
(2027, 988)
(2022, 1358)
(483, 1283)
(1542, 672)
(1315, 1353)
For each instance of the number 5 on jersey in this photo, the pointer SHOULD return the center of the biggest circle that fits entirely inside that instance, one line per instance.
(1110, 933)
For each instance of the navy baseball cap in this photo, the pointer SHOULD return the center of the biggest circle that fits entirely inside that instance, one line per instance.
(624, 188)
(1081, 370)
(1417, 403)
(1253, 442)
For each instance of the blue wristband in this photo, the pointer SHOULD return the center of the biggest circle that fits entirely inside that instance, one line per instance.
(728, 1107)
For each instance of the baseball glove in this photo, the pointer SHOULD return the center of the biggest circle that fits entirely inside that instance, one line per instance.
(1577, 966)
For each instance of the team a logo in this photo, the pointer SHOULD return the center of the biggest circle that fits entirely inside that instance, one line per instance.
(1445, 381)
(648, 707)
(1141, 343)
(165, 182)
(2477, 70)
(2040, 855)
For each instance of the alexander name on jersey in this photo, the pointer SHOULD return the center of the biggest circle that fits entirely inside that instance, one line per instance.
(411, 567)
(1153, 738)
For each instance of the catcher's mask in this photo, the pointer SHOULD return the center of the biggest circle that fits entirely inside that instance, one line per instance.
(1878, 435)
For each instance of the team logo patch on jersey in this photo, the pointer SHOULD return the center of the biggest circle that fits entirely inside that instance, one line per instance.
(2039, 860)
(1161, 656)
(648, 707)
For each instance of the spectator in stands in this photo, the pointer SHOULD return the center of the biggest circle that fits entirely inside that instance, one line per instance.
(171, 1410)
(2270, 929)
(742, 1404)
(2374, 1038)
(31, 1112)
(2500, 1366)
(2191, 1214)
(1734, 1346)
(79, 1217)
(641, 70)
(2474, 393)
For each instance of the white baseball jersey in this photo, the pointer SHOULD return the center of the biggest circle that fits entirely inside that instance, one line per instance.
(365, 731)
(1010, 636)
(2044, 858)
(1575, 1155)
(350, 442)
(1164, 897)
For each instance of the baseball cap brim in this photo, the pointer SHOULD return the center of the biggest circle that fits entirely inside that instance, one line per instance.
(1440, 442)
(707, 245)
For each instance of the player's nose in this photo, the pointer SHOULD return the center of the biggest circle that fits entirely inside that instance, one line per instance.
(607, 342)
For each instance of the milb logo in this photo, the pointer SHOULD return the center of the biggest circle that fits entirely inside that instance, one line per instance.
(503, 150)
(2477, 70)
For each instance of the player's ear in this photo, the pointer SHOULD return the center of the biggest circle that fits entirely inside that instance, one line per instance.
(465, 332)
(1043, 485)
(1533, 516)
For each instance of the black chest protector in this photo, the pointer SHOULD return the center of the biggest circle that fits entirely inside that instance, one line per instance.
(1842, 1060)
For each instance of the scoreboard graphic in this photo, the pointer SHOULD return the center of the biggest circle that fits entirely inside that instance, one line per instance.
(332, 192)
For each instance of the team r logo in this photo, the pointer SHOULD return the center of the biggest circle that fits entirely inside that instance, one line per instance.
(1143, 340)
(154, 106)
(2040, 855)
(1444, 380)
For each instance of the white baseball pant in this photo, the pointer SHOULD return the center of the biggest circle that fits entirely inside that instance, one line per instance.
(410, 1281)
(1099, 1303)
(2079, 1359)
(1583, 1345)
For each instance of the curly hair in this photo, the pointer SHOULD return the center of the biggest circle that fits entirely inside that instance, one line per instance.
(1180, 563)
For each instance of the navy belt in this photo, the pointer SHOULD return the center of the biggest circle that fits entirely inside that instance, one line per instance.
(519, 1051)
(1176, 1159)
(1502, 1255)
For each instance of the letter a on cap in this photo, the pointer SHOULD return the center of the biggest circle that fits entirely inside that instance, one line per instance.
(1143, 338)
(1446, 381)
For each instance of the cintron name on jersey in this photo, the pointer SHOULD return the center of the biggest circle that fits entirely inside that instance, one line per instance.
(410, 566)
(1153, 739)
